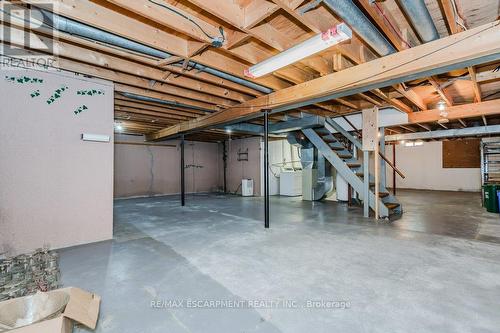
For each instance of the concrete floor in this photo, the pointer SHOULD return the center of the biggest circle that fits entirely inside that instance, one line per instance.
(435, 270)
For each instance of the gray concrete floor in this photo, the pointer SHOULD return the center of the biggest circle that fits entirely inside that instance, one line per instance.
(435, 270)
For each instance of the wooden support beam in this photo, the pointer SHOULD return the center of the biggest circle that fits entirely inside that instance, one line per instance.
(377, 11)
(470, 47)
(457, 112)
(411, 95)
(475, 85)
(449, 14)
(424, 126)
(442, 125)
(444, 96)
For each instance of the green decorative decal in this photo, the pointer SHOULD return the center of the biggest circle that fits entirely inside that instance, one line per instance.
(90, 92)
(23, 79)
(80, 109)
(35, 93)
(56, 95)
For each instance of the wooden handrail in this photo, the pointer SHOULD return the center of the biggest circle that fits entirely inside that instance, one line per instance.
(380, 153)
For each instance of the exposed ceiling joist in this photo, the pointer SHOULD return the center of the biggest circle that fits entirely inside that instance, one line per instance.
(467, 48)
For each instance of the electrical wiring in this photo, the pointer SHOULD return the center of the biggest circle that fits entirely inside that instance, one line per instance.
(216, 41)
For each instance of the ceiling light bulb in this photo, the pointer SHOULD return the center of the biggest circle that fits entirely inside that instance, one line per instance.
(441, 105)
(118, 127)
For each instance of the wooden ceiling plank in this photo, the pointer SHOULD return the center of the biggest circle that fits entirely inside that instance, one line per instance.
(257, 11)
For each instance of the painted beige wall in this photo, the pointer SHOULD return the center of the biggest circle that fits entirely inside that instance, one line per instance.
(145, 170)
(55, 189)
(422, 166)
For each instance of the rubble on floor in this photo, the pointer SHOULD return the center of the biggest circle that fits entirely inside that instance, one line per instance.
(26, 274)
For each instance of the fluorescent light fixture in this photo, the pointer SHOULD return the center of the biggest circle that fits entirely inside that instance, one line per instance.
(318, 43)
(95, 137)
(414, 143)
(228, 131)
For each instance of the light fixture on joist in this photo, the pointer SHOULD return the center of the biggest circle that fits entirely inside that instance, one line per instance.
(318, 43)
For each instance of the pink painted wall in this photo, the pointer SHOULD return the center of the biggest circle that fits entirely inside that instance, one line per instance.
(237, 170)
(55, 189)
(142, 170)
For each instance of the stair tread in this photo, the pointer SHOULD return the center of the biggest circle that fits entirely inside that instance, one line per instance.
(344, 155)
(391, 205)
(336, 148)
(329, 140)
(353, 165)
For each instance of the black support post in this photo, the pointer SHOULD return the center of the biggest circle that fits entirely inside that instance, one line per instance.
(394, 169)
(183, 194)
(266, 168)
(224, 160)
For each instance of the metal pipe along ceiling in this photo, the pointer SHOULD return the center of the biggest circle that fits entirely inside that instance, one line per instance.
(76, 28)
(421, 19)
(354, 17)
(164, 102)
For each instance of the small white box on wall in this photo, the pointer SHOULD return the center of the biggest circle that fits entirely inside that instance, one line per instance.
(247, 187)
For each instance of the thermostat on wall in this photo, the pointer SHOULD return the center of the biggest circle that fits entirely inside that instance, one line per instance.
(95, 137)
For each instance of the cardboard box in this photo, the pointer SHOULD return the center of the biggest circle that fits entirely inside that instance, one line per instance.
(82, 308)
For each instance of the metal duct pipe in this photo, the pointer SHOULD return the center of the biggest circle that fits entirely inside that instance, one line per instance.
(421, 19)
(164, 102)
(357, 21)
(229, 77)
(76, 28)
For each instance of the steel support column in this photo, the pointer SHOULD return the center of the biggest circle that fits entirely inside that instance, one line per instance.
(266, 168)
(366, 183)
(224, 160)
(183, 194)
(394, 170)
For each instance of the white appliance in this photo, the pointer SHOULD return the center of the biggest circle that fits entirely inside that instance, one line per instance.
(291, 183)
(247, 187)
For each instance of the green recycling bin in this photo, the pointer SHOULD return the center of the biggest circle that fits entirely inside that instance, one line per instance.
(490, 197)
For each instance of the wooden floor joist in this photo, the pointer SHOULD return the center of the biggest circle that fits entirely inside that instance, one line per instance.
(457, 51)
